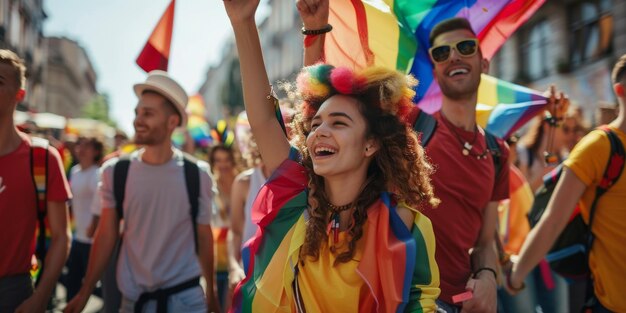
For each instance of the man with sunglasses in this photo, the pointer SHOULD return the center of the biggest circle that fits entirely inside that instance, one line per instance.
(466, 178)
(465, 222)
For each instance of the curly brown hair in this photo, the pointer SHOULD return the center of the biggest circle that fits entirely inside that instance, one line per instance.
(400, 166)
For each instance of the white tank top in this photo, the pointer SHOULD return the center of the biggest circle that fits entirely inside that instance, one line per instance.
(256, 182)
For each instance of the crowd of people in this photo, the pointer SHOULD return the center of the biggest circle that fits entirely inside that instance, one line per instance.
(355, 201)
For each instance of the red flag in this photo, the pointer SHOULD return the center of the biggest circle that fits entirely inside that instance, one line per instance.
(156, 53)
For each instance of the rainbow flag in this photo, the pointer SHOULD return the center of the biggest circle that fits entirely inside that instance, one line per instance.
(394, 34)
(197, 125)
(504, 107)
(513, 225)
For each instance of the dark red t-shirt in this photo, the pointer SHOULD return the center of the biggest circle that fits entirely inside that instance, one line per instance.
(465, 186)
(18, 211)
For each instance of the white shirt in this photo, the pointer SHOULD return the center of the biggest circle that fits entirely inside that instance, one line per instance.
(84, 185)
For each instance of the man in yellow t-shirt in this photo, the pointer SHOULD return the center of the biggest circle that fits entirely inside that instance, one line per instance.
(582, 173)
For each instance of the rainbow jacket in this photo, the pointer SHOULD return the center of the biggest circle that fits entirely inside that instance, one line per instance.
(398, 265)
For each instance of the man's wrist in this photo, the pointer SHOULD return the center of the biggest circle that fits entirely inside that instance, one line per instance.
(486, 271)
(314, 24)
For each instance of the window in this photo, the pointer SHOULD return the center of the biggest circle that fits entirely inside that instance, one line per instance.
(591, 25)
(534, 48)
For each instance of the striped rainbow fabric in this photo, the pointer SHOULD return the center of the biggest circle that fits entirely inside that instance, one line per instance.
(504, 107)
(391, 252)
(513, 223)
(394, 34)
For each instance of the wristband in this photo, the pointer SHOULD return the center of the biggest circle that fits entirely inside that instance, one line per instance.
(495, 275)
(320, 31)
(510, 286)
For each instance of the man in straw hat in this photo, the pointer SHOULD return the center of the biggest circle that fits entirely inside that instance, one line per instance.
(158, 269)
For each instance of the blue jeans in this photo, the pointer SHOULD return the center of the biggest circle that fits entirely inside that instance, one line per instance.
(190, 301)
(77, 267)
(536, 297)
(444, 307)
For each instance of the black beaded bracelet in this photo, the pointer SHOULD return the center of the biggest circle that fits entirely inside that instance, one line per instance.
(320, 31)
(495, 275)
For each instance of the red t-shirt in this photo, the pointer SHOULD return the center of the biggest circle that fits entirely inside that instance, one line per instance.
(18, 211)
(465, 186)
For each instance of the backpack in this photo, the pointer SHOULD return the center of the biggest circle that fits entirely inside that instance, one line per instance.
(192, 182)
(39, 174)
(569, 255)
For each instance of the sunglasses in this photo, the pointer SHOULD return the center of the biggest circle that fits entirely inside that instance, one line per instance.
(465, 47)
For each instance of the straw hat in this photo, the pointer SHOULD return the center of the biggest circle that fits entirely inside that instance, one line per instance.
(160, 82)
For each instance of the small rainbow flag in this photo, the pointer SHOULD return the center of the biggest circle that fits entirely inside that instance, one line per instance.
(504, 107)
(197, 125)
(394, 34)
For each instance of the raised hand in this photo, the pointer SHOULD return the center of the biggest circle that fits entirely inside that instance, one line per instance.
(314, 13)
(558, 103)
(241, 10)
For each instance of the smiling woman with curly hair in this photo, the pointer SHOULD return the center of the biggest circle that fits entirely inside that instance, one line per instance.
(339, 226)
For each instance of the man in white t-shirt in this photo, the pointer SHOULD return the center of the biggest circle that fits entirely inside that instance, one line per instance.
(84, 186)
(157, 260)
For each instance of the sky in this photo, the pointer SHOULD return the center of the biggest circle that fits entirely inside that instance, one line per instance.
(113, 33)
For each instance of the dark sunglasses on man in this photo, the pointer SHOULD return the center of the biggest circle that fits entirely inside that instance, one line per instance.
(465, 47)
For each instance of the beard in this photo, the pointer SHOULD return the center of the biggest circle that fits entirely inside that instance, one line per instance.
(154, 136)
(455, 91)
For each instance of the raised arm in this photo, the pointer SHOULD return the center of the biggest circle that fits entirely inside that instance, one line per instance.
(314, 15)
(271, 140)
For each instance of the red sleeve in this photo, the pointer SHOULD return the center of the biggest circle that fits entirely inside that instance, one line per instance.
(58, 187)
(501, 185)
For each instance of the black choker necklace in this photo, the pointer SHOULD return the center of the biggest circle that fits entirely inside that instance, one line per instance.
(340, 208)
(465, 145)
(334, 217)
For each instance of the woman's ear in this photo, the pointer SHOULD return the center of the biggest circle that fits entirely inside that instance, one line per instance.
(371, 147)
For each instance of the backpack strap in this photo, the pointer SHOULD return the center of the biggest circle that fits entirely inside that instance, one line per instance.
(494, 149)
(120, 173)
(192, 181)
(39, 173)
(531, 157)
(425, 125)
(612, 173)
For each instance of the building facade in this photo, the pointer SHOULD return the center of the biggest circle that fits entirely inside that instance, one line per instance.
(21, 30)
(69, 78)
(572, 44)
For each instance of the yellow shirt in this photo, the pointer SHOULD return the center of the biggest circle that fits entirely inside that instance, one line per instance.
(342, 285)
(608, 254)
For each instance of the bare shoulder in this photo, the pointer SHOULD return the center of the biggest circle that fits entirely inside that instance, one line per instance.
(244, 177)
